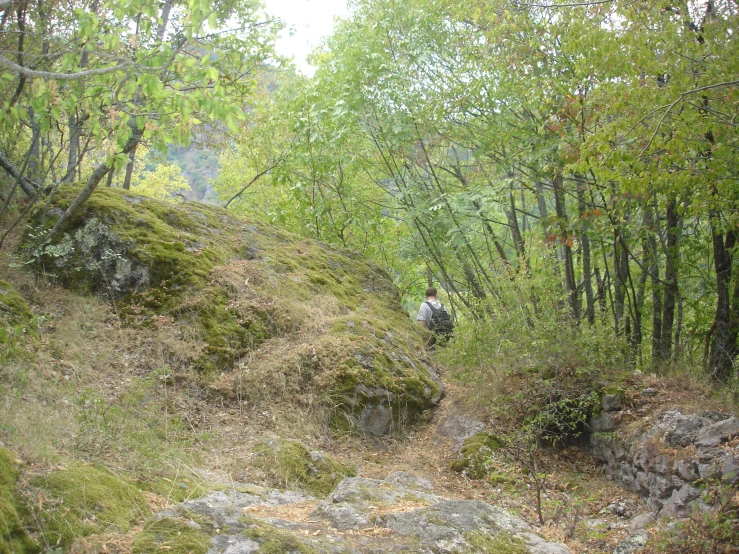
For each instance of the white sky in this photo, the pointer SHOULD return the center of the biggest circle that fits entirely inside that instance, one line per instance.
(307, 21)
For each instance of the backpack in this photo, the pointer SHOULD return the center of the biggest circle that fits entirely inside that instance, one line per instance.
(441, 322)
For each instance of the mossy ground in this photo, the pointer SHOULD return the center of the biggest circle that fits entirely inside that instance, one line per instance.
(173, 535)
(84, 500)
(291, 465)
(14, 538)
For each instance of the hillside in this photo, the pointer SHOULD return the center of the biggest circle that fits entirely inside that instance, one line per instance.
(169, 365)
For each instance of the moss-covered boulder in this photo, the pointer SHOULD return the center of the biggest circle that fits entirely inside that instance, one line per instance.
(317, 325)
(14, 537)
(86, 500)
(290, 464)
(475, 459)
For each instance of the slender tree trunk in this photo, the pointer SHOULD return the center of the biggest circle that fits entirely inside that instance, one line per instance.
(723, 350)
(570, 281)
(620, 264)
(129, 168)
(651, 265)
(586, 259)
(671, 289)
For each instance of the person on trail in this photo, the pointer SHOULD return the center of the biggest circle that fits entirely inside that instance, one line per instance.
(433, 316)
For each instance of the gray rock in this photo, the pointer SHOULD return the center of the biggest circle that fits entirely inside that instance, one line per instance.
(730, 469)
(458, 428)
(717, 433)
(686, 469)
(344, 516)
(642, 521)
(650, 391)
(603, 423)
(632, 543)
(441, 527)
(537, 545)
(680, 500)
(610, 402)
(348, 505)
(682, 430)
(410, 481)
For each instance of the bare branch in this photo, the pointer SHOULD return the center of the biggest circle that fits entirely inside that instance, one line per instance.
(676, 102)
(20, 70)
(254, 180)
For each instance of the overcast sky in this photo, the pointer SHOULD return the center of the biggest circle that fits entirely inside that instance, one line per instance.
(307, 21)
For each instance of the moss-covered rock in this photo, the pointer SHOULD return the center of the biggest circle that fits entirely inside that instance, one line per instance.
(475, 459)
(272, 540)
(291, 464)
(338, 337)
(14, 537)
(172, 535)
(85, 500)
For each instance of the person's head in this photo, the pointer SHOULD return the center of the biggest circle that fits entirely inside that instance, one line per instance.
(431, 292)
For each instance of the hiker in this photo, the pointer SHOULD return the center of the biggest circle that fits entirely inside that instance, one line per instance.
(433, 316)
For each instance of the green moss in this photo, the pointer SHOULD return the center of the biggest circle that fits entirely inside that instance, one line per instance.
(273, 540)
(291, 464)
(501, 543)
(86, 500)
(173, 535)
(177, 489)
(13, 535)
(13, 308)
(476, 451)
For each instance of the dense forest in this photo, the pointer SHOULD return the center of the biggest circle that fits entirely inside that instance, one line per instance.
(567, 170)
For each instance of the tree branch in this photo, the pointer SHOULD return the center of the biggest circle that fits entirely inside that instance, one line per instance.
(20, 70)
(254, 180)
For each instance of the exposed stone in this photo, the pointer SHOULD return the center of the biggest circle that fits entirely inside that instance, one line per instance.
(730, 469)
(458, 428)
(603, 422)
(650, 391)
(633, 543)
(715, 434)
(682, 430)
(680, 500)
(642, 521)
(610, 402)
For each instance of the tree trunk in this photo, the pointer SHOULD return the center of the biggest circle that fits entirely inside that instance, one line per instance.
(570, 282)
(723, 350)
(129, 168)
(586, 259)
(671, 289)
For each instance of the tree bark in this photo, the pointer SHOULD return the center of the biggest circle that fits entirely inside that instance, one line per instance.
(723, 350)
(570, 282)
(586, 259)
(671, 289)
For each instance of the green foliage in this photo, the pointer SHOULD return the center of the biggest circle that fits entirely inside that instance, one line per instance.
(291, 464)
(500, 543)
(84, 500)
(14, 538)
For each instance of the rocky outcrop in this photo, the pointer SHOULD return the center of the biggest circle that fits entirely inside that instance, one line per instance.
(671, 458)
(397, 514)
(317, 326)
